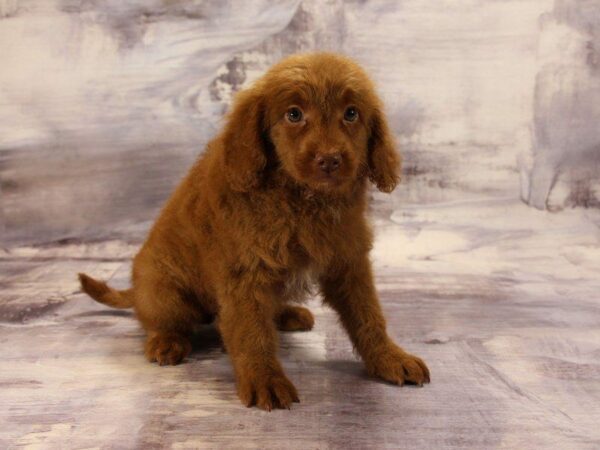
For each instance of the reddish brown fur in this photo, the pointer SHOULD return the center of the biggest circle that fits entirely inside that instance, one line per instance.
(256, 217)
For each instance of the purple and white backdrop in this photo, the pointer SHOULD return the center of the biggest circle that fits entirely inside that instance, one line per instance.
(104, 104)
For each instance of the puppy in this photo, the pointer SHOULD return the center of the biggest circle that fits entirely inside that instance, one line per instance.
(276, 202)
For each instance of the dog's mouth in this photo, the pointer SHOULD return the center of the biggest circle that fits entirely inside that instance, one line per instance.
(328, 178)
(328, 182)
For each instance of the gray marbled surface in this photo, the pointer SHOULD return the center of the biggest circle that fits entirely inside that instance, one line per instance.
(501, 300)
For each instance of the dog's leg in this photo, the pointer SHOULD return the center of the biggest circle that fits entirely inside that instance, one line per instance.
(168, 320)
(247, 325)
(295, 318)
(351, 292)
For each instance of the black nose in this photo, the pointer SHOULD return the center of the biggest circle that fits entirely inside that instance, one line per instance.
(329, 163)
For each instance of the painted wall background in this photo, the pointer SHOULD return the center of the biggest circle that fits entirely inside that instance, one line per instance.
(104, 104)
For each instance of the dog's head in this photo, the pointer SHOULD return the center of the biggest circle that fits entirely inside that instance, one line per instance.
(318, 117)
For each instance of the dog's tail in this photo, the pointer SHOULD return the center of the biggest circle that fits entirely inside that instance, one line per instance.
(103, 293)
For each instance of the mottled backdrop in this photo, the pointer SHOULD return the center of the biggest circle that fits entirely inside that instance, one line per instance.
(104, 104)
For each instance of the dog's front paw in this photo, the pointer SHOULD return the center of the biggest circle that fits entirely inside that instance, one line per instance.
(399, 367)
(267, 390)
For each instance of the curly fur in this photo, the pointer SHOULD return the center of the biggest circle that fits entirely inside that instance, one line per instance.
(257, 216)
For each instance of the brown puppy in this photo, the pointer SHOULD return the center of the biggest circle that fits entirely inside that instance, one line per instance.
(276, 202)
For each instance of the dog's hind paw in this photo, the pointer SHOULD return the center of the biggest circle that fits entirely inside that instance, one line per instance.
(295, 318)
(167, 349)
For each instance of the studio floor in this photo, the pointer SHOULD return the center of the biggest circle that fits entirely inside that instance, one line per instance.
(502, 301)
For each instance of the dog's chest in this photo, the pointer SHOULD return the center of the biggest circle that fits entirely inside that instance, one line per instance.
(300, 238)
(315, 237)
(310, 251)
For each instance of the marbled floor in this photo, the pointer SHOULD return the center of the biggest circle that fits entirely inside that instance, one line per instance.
(501, 300)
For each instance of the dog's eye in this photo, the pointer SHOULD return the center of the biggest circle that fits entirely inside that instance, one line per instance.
(351, 114)
(294, 114)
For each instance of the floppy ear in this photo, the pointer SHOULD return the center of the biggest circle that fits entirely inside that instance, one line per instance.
(384, 162)
(244, 140)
